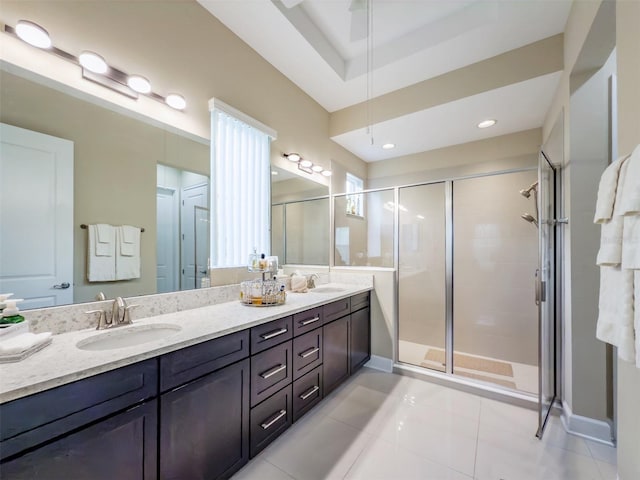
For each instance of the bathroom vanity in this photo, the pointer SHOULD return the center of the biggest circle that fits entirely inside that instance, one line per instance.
(200, 407)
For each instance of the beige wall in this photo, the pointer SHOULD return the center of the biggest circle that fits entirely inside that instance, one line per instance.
(115, 160)
(627, 43)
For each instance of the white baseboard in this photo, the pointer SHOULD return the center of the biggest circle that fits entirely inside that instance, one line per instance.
(596, 430)
(380, 363)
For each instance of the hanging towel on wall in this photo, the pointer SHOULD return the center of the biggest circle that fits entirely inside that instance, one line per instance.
(101, 262)
(610, 252)
(619, 257)
(128, 252)
(607, 191)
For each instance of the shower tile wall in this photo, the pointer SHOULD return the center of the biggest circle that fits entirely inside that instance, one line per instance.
(495, 258)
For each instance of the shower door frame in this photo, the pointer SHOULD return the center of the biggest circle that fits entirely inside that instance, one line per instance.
(448, 375)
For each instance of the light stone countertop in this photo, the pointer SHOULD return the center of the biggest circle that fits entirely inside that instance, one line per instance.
(62, 362)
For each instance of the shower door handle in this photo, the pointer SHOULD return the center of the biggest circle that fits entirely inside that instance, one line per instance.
(537, 281)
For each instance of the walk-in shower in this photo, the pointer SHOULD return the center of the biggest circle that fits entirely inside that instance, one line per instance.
(465, 300)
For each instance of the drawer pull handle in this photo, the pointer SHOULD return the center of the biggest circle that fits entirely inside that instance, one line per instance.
(309, 352)
(273, 371)
(309, 392)
(277, 417)
(307, 322)
(275, 333)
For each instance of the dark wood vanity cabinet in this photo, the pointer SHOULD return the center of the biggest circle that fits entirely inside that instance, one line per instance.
(197, 413)
(121, 447)
(204, 426)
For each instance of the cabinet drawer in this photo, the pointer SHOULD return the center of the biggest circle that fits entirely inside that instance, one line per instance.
(360, 301)
(307, 352)
(270, 371)
(271, 334)
(30, 421)
(307, 392)
(182, 366)
(304, 322)
(270, 419)
(335, 310)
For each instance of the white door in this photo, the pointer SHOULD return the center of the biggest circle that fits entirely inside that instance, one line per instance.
(193, 199)
(167, 242)
(36, 217)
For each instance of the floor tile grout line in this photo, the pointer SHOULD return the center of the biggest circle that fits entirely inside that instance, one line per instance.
(475, 457)
(283, 471)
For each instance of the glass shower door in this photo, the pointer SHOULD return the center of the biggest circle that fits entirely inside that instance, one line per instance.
(545, 289)
(422, 301)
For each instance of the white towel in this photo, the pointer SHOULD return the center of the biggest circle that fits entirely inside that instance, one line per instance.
(299, 283)
(105, 240)
(611, 233)
(630, 203)
(100, 268)
(607, 191)
(22, 342)
(130, 240)
(631, 242)
(127, 266)
(636, 314)
(616, 315)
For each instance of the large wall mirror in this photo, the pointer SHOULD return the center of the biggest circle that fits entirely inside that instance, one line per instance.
(132, 172)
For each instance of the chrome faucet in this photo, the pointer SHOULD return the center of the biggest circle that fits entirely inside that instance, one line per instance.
(311, 280)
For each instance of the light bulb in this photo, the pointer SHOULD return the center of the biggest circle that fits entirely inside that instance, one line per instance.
(176, 101)
(33, 34)
(139, 84)
(306, 163)
(388, 146)
(487, 123)
(327, 173)
(293, 157)
(317, 168)
(93, 62)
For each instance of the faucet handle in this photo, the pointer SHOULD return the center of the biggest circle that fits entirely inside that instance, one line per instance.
(126, 319)
(102, 318)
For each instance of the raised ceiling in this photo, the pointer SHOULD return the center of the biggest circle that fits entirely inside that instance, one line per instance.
(323, 47)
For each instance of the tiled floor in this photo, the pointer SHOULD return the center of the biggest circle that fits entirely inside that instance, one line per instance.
(385, 426)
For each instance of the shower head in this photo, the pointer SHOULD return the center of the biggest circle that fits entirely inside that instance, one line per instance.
(526, 192)
(529, 218)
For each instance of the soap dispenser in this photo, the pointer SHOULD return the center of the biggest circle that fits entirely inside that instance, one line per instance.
(10, 313)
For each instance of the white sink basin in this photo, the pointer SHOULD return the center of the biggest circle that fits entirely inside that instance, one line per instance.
(123, 337)
(327, 290)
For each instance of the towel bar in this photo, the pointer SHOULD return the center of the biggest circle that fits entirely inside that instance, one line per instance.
(84, 226)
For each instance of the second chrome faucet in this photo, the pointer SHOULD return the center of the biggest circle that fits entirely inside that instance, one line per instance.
(120, 314)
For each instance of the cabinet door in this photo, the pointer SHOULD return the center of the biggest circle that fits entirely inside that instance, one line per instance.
(122, 447)
(360, 339)
(335, 338)
(204, 426)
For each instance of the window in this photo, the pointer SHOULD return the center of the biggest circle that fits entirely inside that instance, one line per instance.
(355, 202)
(241, 185)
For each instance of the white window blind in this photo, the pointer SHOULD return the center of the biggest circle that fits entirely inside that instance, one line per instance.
(241, 182)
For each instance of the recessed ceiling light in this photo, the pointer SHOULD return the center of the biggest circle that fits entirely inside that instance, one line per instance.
(327, 173)
(487, 123)
(306, 163)
(293, 157)
(389, 146)
(317, 168)
(176, 101)
(273, 172)
(33, 34)
(93, 62)
(139, 84)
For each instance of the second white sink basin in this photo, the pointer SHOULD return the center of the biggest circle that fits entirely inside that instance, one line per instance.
(327, 290)
(122, 337)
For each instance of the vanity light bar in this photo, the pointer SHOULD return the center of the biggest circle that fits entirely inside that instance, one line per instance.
(306, 166)
(94, 67)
